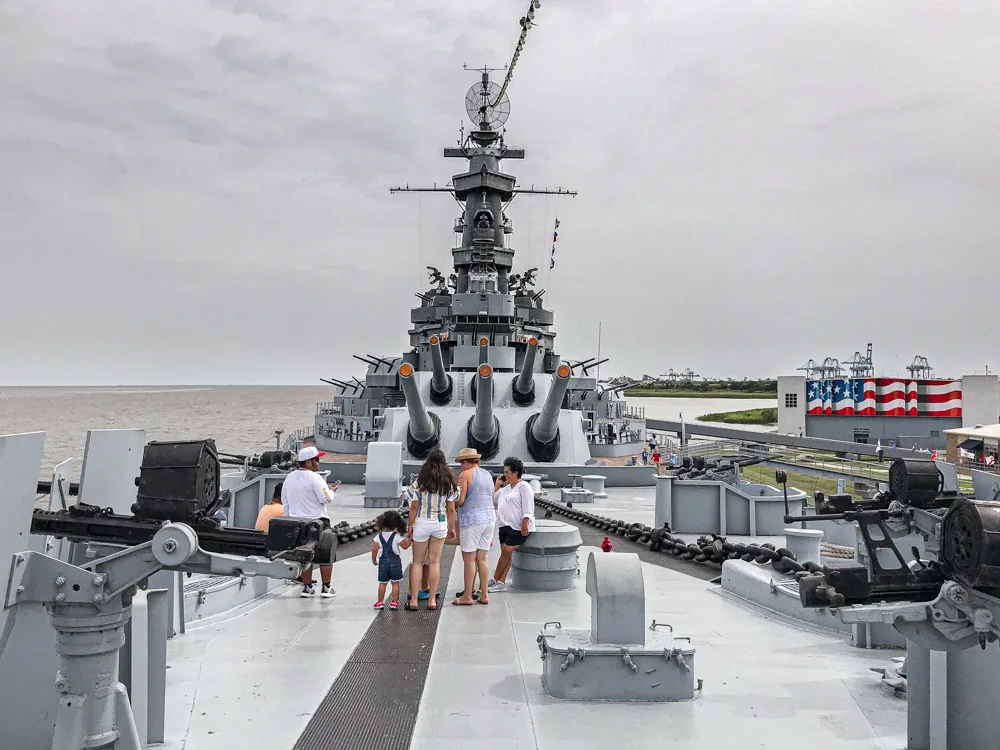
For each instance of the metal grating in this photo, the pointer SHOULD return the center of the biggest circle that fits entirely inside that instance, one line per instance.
(373, 703)
(206, 583)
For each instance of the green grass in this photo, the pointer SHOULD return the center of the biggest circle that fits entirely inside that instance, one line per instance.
(767, 415)
(675, 393)
(808, 483)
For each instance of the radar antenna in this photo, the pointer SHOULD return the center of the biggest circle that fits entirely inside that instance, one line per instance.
(486, 107)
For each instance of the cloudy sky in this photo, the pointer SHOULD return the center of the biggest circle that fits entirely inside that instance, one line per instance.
(197, 191)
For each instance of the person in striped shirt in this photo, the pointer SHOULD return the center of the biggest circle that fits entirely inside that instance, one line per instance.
(432, 519)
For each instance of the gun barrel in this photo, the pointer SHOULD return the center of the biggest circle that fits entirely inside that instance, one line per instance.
(484, 350)
(441, 384)
(484, 428)
(421, 427)
(546, 427)
(523, 389)
(482, 422)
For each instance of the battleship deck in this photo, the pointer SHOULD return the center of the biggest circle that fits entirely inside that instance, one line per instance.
(258, 680)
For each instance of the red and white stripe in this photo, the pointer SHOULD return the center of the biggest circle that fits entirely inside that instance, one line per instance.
(866, 407)
(890, 397)
(939, 398)
(911, 398)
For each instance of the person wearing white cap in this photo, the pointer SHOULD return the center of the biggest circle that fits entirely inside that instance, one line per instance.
(305, 494)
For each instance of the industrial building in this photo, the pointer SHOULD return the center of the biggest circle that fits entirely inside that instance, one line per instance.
(913, 411)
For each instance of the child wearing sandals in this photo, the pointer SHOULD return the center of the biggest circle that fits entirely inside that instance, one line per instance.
(391, 538)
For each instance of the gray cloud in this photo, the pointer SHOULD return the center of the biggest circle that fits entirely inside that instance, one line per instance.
(758, 184)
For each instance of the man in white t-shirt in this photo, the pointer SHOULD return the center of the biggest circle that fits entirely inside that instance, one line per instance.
(305, 494)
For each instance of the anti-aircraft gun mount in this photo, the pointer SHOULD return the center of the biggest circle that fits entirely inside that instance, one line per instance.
(90, 604)
(948, 602)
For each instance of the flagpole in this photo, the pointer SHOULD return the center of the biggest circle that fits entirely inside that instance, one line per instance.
(599, 324)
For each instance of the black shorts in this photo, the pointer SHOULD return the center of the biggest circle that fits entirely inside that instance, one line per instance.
(511, 537)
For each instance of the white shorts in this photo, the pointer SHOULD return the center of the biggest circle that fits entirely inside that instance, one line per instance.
(477, 537)
(425, 528)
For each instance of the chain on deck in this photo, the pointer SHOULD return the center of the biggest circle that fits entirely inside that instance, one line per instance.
(373, 703)
(714, 549)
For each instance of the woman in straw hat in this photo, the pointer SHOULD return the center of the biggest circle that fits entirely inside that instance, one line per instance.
(476, 519)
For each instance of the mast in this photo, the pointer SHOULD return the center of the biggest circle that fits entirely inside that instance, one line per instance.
(484, 188)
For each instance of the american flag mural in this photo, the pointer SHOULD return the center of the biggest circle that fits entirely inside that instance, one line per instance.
(884, 397)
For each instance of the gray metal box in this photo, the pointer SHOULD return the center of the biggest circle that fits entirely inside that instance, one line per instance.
(576, 668)
(576, 495)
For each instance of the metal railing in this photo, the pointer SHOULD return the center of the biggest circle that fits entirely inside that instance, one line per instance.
(971, 463)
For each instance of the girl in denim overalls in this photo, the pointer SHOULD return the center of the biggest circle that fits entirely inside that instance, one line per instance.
(391, 538)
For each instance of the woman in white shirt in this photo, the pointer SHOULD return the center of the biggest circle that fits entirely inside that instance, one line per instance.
(516, 512)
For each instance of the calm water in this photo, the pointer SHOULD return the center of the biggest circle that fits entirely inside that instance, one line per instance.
(242, 419)
(692, 408)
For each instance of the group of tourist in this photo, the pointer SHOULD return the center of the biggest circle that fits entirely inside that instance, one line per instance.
(442, 507)
(445, 508)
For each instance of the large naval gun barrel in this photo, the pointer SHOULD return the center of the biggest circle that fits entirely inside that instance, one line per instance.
(424, 430)
(441, 383)
(484, 427)
(523, 388)
(542, 430)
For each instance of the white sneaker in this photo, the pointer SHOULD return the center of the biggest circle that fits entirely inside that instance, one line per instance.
(327, 591)
(496, 586)
(308, 590)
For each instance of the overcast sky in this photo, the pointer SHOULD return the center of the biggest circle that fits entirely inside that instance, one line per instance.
(198, 191)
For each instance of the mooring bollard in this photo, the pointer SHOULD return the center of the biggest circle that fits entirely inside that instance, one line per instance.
(595, 484)
(547, 560)
(804, 544)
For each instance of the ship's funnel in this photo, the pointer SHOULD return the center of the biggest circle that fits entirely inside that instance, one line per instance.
(542, 431)
(441, 384)
(424, 429)
(484, 427)
(523, 388)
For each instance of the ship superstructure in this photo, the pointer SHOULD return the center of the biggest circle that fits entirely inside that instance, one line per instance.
(482, 329)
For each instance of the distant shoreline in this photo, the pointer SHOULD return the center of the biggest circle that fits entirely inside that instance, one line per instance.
(671, 393)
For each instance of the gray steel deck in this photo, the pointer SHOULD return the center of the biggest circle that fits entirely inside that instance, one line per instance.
(256, 681)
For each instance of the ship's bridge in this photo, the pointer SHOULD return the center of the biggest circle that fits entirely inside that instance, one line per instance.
(484, 279)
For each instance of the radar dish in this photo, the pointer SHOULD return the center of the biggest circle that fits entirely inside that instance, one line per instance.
(482, 105)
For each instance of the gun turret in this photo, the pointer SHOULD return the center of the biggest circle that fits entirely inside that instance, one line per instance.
(523, 388)
(484, 427)
(542, 430)
(424, 430)
(441, 383)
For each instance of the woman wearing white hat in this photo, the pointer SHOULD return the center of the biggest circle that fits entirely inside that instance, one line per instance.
(476, 519)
